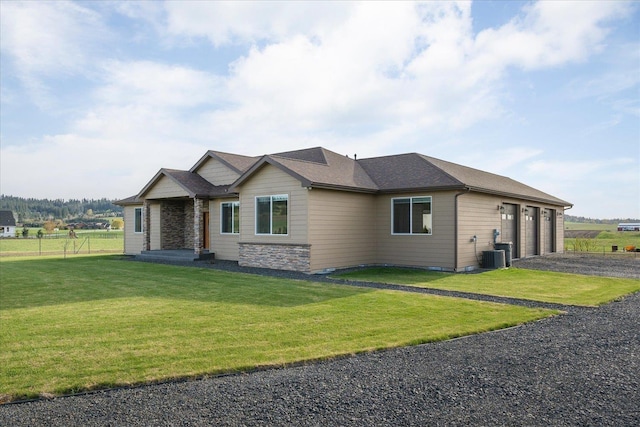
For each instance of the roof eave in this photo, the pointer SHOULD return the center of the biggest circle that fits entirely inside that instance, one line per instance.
(430, 188)
(556, 202)
(340, 188)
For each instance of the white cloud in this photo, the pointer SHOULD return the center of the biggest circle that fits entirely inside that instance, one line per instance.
(252, 21)
(357, 77)
(158, 85)
(45, 39)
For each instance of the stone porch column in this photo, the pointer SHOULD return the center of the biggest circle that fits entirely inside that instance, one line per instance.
(198, 225)
(146, 226)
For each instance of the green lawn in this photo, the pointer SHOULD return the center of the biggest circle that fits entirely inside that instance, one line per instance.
(543, 286)
(87, 242)
(92, 322)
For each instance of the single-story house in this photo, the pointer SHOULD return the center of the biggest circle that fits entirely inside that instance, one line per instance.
(7, 224)
(313, 210)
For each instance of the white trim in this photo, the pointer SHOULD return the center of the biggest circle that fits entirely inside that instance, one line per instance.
(141, 220)
(271, 200)
(411, 198)
(234, 206)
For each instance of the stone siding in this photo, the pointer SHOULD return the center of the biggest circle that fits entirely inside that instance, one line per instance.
(277, 256)
(174, 218)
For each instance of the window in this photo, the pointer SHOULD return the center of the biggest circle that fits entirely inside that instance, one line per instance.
(137, 220)
(230, 218)
(411, 215)
(272, 214)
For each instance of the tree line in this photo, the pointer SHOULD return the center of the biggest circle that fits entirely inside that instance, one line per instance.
(585, 220)
(37, 210)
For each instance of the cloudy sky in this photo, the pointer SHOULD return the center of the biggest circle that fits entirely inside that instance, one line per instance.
(97, 96)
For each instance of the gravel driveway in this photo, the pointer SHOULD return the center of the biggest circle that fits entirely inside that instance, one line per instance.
(581, 368)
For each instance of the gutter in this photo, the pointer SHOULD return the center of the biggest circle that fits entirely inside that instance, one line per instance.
(455, 227)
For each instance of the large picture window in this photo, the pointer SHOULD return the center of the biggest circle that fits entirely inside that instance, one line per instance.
(137, 220)
(230, 218)
(411, 215)
(272, 214)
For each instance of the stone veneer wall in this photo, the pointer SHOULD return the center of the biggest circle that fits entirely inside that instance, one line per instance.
(173, 218)
(277, 256)
(187, 231)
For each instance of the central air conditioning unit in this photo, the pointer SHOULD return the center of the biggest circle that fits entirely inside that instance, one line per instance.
(493, 259)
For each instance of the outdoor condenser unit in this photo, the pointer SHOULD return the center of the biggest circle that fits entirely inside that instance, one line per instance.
(493, 259)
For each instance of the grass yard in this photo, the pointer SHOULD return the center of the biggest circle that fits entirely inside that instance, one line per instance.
(87, 242)
(93, 322)
(543, 286)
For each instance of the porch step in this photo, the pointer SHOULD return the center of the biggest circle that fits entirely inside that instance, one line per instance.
(174, 255)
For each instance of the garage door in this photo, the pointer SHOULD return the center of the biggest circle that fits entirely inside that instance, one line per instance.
(509, 230)
(531, 231)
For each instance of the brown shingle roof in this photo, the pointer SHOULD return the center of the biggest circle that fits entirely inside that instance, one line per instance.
(235, 162)
(491, 183)
(317, 167)
(322, 168)
(193, 184)
(406, 172)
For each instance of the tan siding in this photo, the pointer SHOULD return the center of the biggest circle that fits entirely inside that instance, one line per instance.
(165, 187)
(217, 173)
(225, 246)
(271, 181)
(478, 215)
(133, 242)
(560, 229)
(341, 229)
(156, 232)
(436, 250)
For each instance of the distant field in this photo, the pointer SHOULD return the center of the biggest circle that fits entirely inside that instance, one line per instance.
(586, 226)
(87, 242)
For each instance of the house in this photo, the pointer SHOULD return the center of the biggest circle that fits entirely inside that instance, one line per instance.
(313, 210)
(7, 224)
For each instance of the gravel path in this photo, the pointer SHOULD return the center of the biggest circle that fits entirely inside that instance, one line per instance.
(581, 368)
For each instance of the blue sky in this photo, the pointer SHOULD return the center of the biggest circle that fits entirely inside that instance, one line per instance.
(97, 96)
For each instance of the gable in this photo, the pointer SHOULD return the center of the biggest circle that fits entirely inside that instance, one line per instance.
(164, 188)
(214, 171)
(317, 168)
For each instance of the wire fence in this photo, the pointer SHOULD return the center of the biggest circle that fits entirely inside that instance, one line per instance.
(81, 244)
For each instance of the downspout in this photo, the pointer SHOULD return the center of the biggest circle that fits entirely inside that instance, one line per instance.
(455, 227)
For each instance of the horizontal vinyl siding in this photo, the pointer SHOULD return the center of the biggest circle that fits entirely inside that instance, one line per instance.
(270, 181)
(224, 246)
(341, 229)
(559, 229)
(154, 237)
(478, 215)
(435, 250)
(165, 188)
(133, 242)
(217, 173)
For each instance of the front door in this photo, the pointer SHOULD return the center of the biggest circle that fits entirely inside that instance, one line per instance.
(205, 232)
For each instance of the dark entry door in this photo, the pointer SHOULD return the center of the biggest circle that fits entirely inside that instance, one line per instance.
(510, 227)
(531, 230)
(205, 232)
(549, 219)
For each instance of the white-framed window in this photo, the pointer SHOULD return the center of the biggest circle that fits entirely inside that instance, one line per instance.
(230, 217)
(411, 215)
(137, 220)
(272, 214)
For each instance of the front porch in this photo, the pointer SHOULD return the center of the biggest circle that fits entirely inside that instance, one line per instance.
(175, 255)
